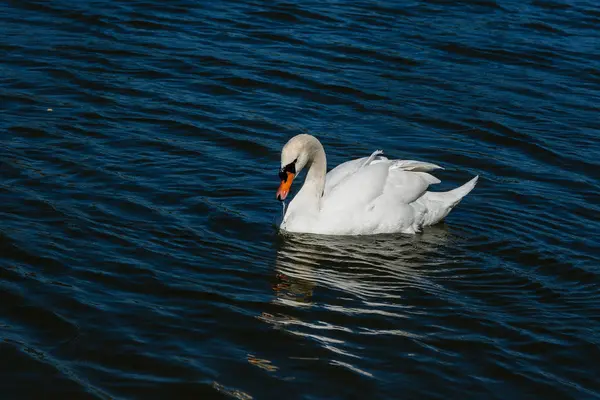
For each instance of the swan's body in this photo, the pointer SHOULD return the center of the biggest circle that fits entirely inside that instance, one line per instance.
(369, 195)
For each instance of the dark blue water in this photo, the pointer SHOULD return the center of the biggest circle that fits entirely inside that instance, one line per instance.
(139, 150)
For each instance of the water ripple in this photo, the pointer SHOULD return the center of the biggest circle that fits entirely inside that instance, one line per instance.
(138, 161)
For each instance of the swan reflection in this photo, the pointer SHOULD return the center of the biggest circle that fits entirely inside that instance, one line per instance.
(328, 289)
(370, 269)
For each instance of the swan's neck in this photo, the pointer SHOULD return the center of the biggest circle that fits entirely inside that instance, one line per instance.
(309, 197)
(317, 169)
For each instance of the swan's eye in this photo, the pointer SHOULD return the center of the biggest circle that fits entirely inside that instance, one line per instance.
(283, 176)
(291, 167)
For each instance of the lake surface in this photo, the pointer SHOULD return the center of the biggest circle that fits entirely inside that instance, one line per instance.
(139, 151)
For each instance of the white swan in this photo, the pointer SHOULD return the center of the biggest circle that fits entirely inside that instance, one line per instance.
(366, 196)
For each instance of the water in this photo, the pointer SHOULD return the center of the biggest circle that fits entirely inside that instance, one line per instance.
(139, 151)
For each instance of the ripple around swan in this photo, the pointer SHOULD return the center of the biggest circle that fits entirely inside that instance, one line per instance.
(138, 163)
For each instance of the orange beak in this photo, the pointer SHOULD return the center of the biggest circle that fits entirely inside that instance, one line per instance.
(284, 187)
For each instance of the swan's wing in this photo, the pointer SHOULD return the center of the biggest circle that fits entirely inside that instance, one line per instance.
(347, 169)
(377, 179)
(408, 180)
(358, 182)
(407, 186)
(416, 166)
(339, 173)
(357, 189)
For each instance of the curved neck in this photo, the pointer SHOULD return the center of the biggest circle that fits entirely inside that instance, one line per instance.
(317, 169)
(312, 190)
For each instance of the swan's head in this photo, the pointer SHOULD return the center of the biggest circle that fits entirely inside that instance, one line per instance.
(295, 155)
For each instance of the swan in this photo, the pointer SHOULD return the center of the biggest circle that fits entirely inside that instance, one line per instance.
(366, 196)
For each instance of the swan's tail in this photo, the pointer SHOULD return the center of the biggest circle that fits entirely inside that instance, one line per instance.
(439, 204)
